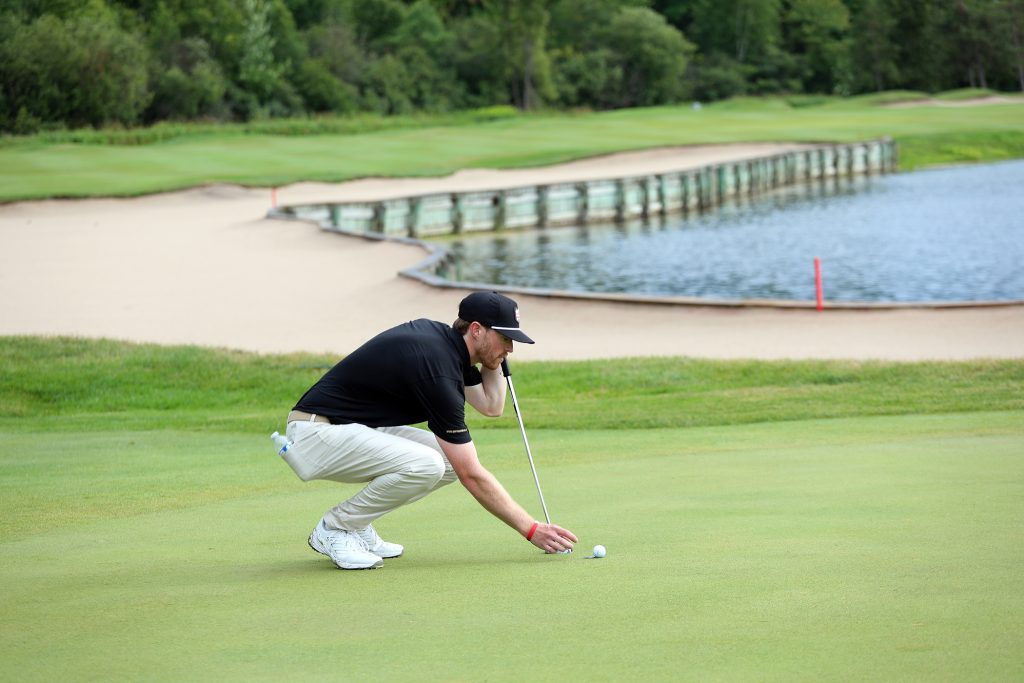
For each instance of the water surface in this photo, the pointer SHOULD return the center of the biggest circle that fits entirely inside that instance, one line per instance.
(951, 234)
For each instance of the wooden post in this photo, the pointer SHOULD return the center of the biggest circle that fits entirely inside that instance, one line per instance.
(456, 217)
(335, 212)
(500, 208)
(542, 206)
(620, 199)
(721, 183)
(412, 219)
(684, 178)
(662, 194)
(377, 223)
(583, 206)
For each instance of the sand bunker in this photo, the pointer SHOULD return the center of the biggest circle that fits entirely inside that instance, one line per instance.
(206, 267)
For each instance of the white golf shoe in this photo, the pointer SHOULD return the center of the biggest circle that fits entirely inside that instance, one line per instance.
(345, 548)
(377, 545)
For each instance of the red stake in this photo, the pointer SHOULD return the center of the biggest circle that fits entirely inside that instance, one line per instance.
(817, 280)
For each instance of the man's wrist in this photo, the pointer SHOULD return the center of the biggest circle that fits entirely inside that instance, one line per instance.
(532, 531)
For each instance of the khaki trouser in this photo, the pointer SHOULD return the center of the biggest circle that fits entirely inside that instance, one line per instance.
(400, 464)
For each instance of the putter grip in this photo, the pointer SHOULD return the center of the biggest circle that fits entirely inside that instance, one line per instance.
(504, 368)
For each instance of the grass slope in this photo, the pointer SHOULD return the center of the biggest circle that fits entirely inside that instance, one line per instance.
(35, 168)
(81, 385)
(883, 548)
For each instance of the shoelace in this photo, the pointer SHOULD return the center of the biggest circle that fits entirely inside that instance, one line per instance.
(343, 541)
(372, 534)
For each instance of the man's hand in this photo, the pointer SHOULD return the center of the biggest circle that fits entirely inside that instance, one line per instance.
(552, 538)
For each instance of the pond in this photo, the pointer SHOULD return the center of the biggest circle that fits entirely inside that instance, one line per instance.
(949, 234)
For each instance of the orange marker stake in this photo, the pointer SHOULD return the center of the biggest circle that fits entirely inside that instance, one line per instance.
(817, 280)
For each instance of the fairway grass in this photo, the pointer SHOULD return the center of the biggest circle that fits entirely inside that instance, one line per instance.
(864, 548)
(33, 168)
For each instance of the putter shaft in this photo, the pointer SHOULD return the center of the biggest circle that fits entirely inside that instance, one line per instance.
(526, 442)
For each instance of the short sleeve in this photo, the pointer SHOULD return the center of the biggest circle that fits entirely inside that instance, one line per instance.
(471, 376)
(445, 404)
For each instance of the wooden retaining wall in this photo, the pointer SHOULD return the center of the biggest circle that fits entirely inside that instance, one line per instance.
(596, 200)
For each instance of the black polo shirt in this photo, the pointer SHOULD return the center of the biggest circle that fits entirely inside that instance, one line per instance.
(416, 372)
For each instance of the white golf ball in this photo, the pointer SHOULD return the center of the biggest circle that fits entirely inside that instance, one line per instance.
(599, 551)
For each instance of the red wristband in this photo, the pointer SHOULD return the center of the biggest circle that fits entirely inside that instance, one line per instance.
(532, 530)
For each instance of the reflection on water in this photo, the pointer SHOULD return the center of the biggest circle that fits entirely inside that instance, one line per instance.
(954, 234)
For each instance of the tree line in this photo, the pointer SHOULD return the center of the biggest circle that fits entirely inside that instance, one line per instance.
(77, 63)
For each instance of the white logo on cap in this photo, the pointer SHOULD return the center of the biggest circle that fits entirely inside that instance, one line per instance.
(517, 314)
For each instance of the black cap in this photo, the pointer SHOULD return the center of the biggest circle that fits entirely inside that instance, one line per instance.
(495, 311)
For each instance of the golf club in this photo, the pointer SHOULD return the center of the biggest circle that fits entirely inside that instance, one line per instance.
(515, 404)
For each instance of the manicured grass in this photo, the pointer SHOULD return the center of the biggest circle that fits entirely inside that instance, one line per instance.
(882, 548)
(918, 151)
(35, 168)
(148, 532)
(81, 385)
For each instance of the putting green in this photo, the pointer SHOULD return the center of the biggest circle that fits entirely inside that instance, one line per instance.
(853, 549)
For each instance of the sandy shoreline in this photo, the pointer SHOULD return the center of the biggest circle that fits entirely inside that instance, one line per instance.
(205, 266)
(970, 102)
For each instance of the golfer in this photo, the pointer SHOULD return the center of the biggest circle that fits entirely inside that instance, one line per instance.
(353, 426)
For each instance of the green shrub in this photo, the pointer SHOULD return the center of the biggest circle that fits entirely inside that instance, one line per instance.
(322, 91)
(82, 71)
(192, 87)
(718, 77)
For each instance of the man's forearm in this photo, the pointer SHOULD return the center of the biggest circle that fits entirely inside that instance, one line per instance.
(489, 492)
(484, 486)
